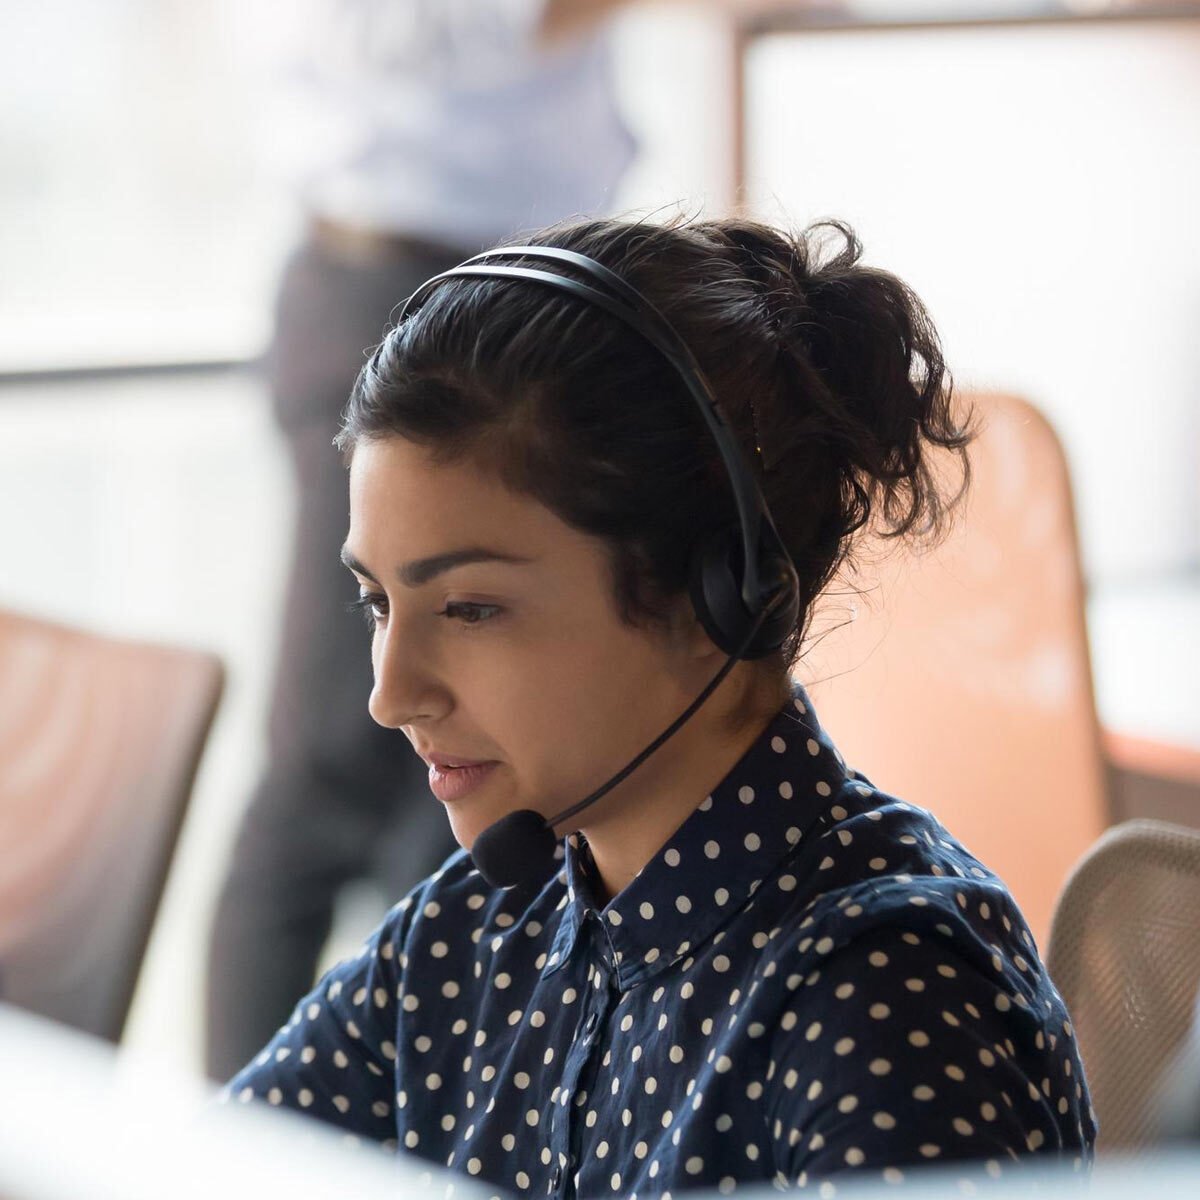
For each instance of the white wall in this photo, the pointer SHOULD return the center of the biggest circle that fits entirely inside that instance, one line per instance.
(675, 74)
(1040, 190)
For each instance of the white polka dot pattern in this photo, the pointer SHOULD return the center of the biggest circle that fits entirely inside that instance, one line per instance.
(810, 978)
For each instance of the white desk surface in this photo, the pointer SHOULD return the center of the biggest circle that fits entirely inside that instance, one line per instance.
(1145, 641)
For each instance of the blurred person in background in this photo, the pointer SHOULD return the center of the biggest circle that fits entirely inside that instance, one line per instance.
(429, 129)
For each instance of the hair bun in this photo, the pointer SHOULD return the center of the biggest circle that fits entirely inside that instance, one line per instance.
(863, 354)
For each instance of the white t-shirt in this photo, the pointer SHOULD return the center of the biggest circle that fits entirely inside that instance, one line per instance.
(444, 119)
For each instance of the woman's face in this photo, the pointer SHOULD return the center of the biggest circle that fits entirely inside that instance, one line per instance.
(496, 640)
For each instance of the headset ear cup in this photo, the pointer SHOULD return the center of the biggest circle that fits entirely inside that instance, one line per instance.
(716, 591)
(781, 624)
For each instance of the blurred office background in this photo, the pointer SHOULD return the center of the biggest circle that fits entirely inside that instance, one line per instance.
(1036, 182)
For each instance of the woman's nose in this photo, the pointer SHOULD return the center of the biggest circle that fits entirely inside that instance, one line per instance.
(405, 690)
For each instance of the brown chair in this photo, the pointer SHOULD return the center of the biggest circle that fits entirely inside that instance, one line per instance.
(1153, 779)
(100, 739)
(1125, 953)
(963, 681)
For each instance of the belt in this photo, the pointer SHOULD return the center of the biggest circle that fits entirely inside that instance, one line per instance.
(363, 246)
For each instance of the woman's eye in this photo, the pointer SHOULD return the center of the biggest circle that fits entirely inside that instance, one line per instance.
(468, 613)
(373, 607)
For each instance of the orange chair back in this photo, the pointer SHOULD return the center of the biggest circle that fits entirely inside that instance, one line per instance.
(963, 683)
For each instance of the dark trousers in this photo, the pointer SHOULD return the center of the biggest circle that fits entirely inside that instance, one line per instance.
(342, 798)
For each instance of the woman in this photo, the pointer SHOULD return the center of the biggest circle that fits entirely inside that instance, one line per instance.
(751, 965)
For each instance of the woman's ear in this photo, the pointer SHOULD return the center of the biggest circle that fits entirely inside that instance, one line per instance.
(688, 634)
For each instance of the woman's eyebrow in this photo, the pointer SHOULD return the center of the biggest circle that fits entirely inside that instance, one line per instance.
(421, 570)
(349, 561)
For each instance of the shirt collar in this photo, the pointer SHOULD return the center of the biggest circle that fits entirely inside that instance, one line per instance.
(715, 861)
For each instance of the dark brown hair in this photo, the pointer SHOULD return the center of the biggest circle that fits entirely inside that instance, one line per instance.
(829, 373)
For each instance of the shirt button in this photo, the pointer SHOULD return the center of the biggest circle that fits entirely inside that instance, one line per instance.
(555, 1178)
(590, 1023)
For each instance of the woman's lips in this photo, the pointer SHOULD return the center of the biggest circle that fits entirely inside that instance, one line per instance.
(453, 783)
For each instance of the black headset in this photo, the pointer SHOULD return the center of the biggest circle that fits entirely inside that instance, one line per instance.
(742, 582)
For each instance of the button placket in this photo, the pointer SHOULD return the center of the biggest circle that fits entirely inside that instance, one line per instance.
(583, 1061)
(575, 1069)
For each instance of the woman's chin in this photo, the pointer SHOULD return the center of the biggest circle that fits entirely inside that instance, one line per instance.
(468, 821)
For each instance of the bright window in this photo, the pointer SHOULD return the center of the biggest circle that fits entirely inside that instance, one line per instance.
(136, 224)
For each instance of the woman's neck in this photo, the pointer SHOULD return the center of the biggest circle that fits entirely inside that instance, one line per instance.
(631, 825)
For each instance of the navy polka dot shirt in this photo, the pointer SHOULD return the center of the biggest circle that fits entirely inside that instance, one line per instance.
(810, 978)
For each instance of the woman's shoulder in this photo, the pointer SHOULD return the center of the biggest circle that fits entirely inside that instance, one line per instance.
(894, 970)
(878, 867)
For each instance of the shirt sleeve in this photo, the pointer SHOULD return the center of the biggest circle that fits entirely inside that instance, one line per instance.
(449, 42)
(471, 25)
(896, 1052)
(335, 1057)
